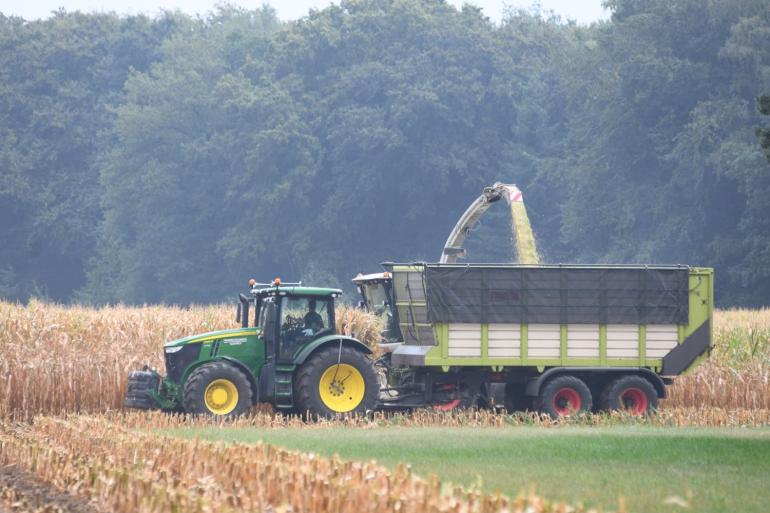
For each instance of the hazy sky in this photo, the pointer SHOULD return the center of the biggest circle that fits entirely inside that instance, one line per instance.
(583, 11)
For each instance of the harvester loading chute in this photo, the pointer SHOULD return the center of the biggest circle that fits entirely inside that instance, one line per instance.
(522, 231)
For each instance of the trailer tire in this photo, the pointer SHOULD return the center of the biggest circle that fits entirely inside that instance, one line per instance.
(564, 396)
(629, 393)
(217, 389)
(322, 388)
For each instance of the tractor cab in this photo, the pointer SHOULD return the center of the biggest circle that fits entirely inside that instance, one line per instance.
(288, 315)
(376, 292)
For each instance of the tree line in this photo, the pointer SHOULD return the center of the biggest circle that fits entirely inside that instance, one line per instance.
(169, 159)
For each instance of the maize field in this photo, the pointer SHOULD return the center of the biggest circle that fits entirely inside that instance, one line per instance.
(737, 375)
(62, 365)
(74, 359)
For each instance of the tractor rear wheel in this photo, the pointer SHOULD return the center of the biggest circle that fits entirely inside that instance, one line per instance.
(217, 389)
(564, 396)
(336, 381)
(632, 394)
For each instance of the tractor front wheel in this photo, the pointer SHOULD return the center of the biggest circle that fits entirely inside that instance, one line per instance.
(217, 389)
(336, 381)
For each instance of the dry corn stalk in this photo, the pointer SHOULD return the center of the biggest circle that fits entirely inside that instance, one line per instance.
(737, 375)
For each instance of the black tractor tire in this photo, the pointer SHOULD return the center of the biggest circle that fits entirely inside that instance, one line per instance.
(633, 394)
(564, 396)
(307, 383)
(197, 385)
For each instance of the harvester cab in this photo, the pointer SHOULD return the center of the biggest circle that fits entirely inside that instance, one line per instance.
(376, 291)
(286, 353)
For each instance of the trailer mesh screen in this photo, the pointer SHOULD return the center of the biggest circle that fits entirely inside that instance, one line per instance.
(557, 295)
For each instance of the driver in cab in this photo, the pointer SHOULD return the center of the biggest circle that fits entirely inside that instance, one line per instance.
(313, 320)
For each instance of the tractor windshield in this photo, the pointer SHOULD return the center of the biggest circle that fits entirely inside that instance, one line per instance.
(376, 298)
(302, 318)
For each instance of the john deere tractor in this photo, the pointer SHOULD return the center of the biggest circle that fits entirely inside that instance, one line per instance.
(286, 353)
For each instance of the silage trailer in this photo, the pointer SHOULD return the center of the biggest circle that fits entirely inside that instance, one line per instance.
(557, 338)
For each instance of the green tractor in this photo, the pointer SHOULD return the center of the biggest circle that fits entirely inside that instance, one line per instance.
(286, 353)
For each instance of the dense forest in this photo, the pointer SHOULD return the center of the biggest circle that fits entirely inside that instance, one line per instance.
(169, 159)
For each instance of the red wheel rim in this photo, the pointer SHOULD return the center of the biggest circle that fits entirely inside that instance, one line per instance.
(451, 405)
(566, 401)
(634, 401)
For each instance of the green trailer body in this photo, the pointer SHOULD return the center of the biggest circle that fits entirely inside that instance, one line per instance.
(665, 348)
(555, 338)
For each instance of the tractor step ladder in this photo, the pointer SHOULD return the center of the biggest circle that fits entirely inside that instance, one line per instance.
(284, 387)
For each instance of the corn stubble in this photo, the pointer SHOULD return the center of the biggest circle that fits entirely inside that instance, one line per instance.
(60, 359)
(267, 419)
(120, 469)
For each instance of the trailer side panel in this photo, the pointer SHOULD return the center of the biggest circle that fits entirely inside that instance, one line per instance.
(671, 310)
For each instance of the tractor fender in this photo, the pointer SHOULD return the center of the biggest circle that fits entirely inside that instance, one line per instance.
(327, 341)
(534, 384)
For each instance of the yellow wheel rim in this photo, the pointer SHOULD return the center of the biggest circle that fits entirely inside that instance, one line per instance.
(342, 387)
(221, 396)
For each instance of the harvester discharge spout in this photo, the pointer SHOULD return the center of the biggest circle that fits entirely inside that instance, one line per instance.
(522, 231)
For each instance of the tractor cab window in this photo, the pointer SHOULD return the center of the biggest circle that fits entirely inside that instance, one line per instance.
(302, 318)
(376, 298)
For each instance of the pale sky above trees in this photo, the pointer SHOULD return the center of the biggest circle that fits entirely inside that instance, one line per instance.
(582, 11)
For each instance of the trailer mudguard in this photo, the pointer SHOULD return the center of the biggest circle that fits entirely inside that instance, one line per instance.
(330, 340)
(534, 384)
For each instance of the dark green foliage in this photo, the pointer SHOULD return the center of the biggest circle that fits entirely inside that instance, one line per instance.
(57, 79)
(171, 159)
(763, 104)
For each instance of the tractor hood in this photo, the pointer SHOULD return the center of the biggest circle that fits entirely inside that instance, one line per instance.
(212, 335)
